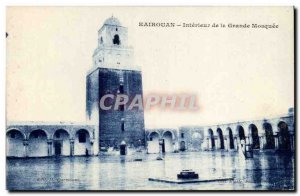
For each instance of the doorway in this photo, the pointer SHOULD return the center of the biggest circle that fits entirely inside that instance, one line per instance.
(123, 149)
(182, 146)
(57, 147)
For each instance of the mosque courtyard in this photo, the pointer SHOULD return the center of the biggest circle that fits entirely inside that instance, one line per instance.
(266, 171)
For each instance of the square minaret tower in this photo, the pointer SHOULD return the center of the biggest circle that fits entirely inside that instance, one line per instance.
(113, 72)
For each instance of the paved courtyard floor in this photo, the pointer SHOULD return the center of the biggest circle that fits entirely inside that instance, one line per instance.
(265, 171)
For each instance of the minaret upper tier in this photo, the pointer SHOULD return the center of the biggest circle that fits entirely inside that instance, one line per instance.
(113, 50)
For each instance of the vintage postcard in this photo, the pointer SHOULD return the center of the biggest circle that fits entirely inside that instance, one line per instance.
(150, 98)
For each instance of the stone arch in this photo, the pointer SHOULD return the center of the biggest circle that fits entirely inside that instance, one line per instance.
(230, 138)
(15, 143)
(73, 132)
(284, 136)
(60, 130)
(171, 132)
(254, 136)
(17, 129)
(211, 137)
(82, 142)
(221, 137)
(167, 145)
(270, 141)
(153, 133)
(153, 143)
(38, 143)
(61, 142)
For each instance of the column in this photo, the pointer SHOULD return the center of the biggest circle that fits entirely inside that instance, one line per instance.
(261, 142)
(247, 140)
(49, 142)
(25, 144)
(264, 141)
(250, 139)
(71, 147)
(175, 145)
(236, 143)
(160, 147)
(226, 142)
(276, 138)
(208, 142)
(217, 143)
(92, 147)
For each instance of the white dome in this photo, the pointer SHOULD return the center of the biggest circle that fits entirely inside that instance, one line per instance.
(123, 142)
(112, 21)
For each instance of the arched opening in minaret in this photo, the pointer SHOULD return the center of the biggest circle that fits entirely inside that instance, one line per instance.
(116, 39)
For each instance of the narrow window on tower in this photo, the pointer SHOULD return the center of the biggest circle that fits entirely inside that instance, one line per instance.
(121, 78)
(116, 40)
(122, 124)
(122, 107)
(182, 135)
(121, 91)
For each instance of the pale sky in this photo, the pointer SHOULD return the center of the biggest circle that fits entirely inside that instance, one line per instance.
(237, 74)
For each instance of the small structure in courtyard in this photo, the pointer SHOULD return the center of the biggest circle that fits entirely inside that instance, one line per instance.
(188, 181)
(187, 174)
(123, 150)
